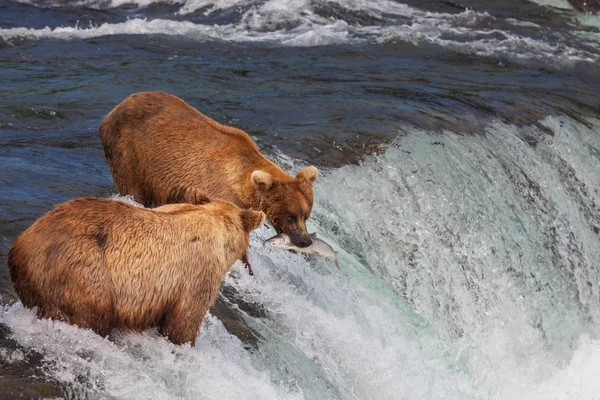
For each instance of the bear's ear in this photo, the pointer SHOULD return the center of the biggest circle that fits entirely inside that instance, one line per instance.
(309, 174)
(252, 219)
(261, 179)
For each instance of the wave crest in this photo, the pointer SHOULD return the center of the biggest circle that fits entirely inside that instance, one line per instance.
(312, 23)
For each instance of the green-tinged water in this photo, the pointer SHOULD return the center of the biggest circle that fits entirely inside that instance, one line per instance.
(459, 156)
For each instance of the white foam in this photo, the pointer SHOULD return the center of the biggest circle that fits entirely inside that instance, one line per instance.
(517, 22)
(491, 42)
(472, 250)
(564, 4)
(126, 199)
(130, 27)
(143, 366)
(338, 344)
(465, 263)
(210, 5)
(295, 23)
(578, 379)
(97, 4)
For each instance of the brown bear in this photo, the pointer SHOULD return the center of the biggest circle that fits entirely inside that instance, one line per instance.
(104, 264)
(161, 150)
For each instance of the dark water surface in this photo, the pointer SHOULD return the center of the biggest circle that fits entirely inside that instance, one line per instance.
(322, 82)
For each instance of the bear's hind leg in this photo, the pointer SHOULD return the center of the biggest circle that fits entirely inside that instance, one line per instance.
(94, 318)
(182, 326)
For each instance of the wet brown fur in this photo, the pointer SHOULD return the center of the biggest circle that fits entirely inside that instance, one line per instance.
(161, 150)
(103, 264)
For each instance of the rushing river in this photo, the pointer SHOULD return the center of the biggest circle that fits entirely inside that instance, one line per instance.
(459, 150)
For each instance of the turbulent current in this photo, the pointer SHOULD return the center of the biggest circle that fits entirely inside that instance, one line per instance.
(309, 23)
(459, 150)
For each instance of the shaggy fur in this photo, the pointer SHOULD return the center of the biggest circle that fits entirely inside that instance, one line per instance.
(160, 150)
(104, 264)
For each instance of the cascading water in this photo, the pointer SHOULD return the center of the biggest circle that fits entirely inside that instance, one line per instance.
(468, 271)
(459, 150)
(493, 240)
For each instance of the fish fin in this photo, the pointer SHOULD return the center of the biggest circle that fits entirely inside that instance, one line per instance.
(314, 235)
(334, 258)
(266, 241)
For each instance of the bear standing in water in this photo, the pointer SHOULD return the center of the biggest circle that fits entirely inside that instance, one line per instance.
(103, 264)
(161, 150)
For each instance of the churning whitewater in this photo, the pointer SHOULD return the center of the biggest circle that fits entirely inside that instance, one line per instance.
(467, 272)
(310, 23)
(458, 145)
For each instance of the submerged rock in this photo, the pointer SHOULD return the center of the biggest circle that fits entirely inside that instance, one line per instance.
(588, 6)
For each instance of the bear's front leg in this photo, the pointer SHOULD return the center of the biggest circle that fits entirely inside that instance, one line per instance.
(180, 194)
(247, 263)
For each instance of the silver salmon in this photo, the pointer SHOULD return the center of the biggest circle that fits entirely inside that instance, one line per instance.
(318, 246)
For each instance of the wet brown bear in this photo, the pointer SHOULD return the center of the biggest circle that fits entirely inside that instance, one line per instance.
(161, 150)
(104, 264)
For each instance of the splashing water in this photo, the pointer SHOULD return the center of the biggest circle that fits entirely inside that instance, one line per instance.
(303, 23)
(495, 242)
(468, 271)
(564, 4)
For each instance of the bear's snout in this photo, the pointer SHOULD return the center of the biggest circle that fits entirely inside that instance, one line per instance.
(301, 241)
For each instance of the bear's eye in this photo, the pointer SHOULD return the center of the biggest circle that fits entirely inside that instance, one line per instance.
(290, 219)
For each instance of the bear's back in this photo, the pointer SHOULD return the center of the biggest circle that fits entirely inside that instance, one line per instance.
(155, 142)
(161, 116)
(104, 264)
(122, 236)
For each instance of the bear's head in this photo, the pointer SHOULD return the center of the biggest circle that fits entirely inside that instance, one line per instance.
(247, 220)
(287, 204)
(251, 219)
(237, 223)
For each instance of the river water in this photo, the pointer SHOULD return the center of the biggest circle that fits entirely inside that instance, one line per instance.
(459, 150)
